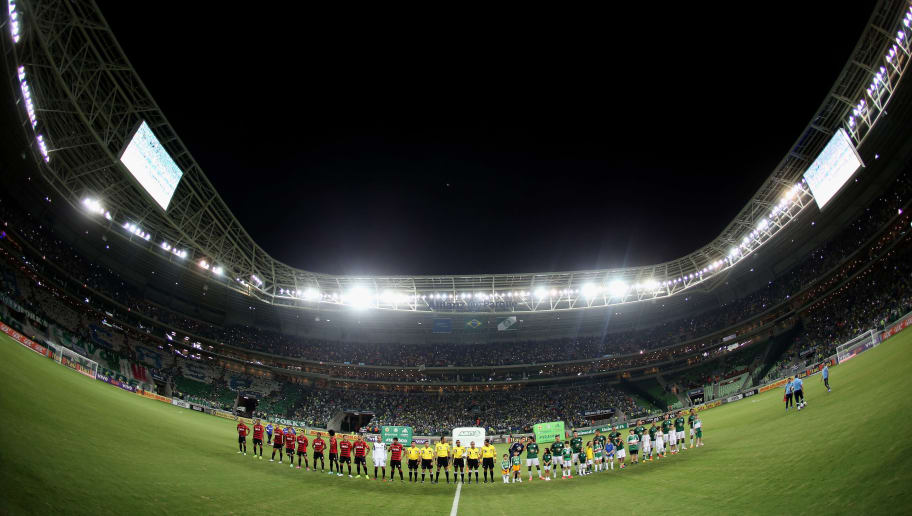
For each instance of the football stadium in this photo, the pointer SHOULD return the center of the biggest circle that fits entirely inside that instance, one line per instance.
(168, 363)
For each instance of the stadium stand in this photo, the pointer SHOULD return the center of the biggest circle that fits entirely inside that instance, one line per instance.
(53, 292)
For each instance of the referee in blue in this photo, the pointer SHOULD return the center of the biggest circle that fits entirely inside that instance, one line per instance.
(798, 392)
(826, 376)
(788, 393)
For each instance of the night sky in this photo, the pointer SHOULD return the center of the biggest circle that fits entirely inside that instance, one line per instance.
(447, 142)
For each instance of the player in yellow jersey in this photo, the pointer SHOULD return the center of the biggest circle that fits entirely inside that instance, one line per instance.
(488, 452)
(443, 451)
(414, 453)
(427, 458)
(459, 461)
(472, 455)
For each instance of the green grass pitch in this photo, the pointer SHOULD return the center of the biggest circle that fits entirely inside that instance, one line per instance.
(74, 445)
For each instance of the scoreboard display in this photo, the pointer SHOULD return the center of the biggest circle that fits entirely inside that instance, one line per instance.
(151, 165)
(834, 166)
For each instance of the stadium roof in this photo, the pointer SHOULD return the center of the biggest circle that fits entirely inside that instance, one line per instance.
(83, 102)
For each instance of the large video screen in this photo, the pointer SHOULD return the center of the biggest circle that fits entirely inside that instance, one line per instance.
(151, 165)
(835, 165)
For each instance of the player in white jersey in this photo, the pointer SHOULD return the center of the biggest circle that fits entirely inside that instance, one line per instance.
(379, 455)
(672, 443)
(660, 443)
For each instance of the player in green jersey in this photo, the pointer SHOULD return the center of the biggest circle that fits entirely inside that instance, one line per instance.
(670, 436)
(557, 450)
(567, 461)
(679, 430)
(615, 436)
(601, 440)
(652, 440)
(576, 448)
(619, 453)
(690, 422)
(532, 458)
(546, 461)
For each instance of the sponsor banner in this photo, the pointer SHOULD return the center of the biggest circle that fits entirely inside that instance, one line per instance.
(421, 440)
(403, 433)
(25, 341)
(115, 382)
(750, 393)
(734, 398)
(598, 412)
(372, 438)
(286, 422)
(153, 396)
(774, 385)
(223, 414)
(897, 327)
(469, 434)
(545, 432)
(198, 408)
(180, 403)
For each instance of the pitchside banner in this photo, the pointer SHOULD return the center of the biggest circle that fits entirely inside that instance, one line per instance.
(545, 432)
(469, 434)
(404, 433)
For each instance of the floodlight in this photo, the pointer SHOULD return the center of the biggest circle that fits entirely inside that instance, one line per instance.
(359, 297)
(204, 264)
(217, 270)
(617, 288)
(540, 293)
(14, 22)
(762, 224)
(589, 290)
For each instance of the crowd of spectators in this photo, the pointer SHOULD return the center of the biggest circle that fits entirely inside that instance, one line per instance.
(858, 280)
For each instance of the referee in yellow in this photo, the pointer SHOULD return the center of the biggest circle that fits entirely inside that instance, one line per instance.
(413, 455)
(443, 459)
(487, 460)
(427, 457)
(459, 453)
(473, 454)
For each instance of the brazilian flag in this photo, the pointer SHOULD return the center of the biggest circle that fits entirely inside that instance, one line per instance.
(473, 324)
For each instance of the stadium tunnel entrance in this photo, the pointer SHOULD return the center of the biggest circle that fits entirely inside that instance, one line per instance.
(354, 421)
(246, 404)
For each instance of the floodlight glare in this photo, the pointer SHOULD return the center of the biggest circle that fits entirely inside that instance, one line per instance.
(589, 290)
(359, 297)
(540, 293)
(617, 288)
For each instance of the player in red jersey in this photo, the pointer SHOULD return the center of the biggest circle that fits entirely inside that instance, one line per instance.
(277, 443)
(396, 459)
(302, 450)
(345, 448)
(242, 437)
(334, 454)
(360, 448)
(258, 438)
(319, 446)
(290, 445)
